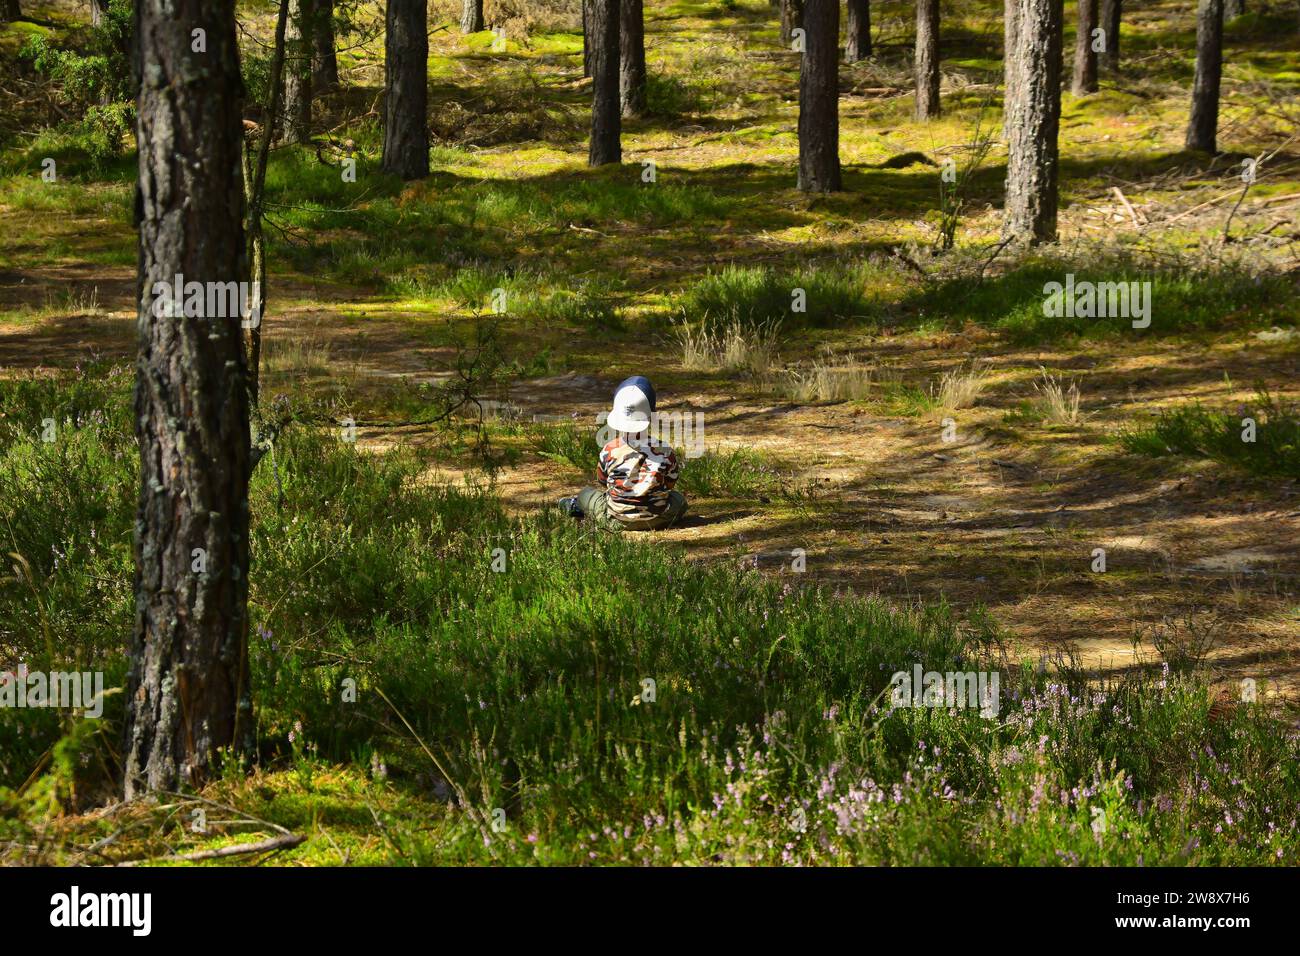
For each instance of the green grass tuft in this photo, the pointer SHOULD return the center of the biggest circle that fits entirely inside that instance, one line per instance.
(822, 296)
(1200, 432)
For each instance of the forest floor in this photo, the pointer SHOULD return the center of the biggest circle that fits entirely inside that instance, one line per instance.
(1004, 517)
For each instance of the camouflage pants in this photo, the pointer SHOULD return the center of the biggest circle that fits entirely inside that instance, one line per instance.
(595, 505)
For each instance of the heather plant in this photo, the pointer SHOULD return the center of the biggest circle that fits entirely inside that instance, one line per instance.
(1261, 438)
(417, 639)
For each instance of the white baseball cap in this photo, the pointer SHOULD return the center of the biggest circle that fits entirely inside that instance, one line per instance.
(632, 410)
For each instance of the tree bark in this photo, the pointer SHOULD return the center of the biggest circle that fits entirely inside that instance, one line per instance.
(1010, 35)
(588, 47)
(1234, 8)
(187, 684)
(1203, 126)
(406, 85)
(471, 16)
(98, 9)
(324, 60)
(606, 122)
(1033, 121)
(1110, 16)
(791, 19)
(10, 11)
(1085, 57)
(819, 121)
(857, 45)
(297, 77)
(927, 59)
(631, 51)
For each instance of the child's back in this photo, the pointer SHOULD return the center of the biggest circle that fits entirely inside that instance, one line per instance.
(638, 475)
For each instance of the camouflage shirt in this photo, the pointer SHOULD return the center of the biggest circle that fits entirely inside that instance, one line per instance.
(637, 474)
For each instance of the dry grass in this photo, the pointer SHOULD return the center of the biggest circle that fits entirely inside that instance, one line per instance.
(73, 302)
(750, 348)
(959, 387)
(830, 379)
(288, 358)
(1059, 400)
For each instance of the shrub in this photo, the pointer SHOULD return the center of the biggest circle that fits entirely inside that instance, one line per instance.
(1223, 436)
(102, 74)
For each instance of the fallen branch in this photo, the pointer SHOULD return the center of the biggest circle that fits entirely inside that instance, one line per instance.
(878, 91)
(1188, 212)
(908, 261)
(1119, 194)
(1227, 226)
(989, 261)
(1014, 465)
(239, 849)
(577, 228)
(229, 809)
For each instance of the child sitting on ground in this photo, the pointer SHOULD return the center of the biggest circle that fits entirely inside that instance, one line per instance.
(635, 474)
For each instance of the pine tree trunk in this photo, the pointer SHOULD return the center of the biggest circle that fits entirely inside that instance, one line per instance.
(1110, 16)
(1202, 128)
(406, 86)
(631, 76)
(927, 59)
(471, 16)
(791, 19)
(297, 76)
(1234, 8)
(188, 683)
(1010, 35)
(857, 45)
(588, 46)
(819, 120)
(1033, 121)
(1085, 58)
(606, 122)
(325, 60)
